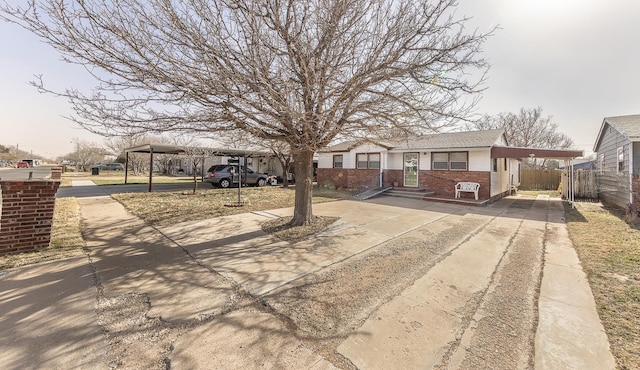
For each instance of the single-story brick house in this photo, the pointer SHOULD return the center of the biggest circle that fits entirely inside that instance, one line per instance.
(434, 162)
(618, 163)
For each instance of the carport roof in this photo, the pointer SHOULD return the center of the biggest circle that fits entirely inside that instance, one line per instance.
(174, 149)
(516, 152)
(155, 148)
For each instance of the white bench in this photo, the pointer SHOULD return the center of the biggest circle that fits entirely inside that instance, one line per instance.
(470, 187)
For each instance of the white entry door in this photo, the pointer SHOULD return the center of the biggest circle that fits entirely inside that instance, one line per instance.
(411, 170)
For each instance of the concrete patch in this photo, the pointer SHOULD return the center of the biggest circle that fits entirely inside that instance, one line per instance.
(244, 340)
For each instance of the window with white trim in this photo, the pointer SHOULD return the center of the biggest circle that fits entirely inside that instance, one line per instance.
(620, 159)
(601, 164)
(368, 160)
(337, 161)
(451, 161)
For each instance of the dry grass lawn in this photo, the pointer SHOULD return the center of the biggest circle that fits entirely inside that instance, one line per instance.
(66, 237)
(609, 250)
(168, 208)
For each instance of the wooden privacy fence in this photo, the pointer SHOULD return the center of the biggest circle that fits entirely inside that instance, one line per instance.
(584, 182)
(540, 179)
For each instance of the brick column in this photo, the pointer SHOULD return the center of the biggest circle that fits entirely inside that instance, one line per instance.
(56, 173)
(26, 214)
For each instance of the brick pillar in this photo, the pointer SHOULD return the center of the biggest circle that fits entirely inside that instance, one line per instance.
(26, 214)
(56, 173)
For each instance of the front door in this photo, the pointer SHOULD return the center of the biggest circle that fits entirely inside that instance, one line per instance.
(411, 170)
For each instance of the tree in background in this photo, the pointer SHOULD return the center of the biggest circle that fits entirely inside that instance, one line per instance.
(86, 154)
(302, 71)
(527, 128)
(138, 162)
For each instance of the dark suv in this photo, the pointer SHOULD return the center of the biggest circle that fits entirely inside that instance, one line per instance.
(220, 175)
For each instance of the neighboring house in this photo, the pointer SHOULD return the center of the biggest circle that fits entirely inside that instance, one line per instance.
(434, 162)
(618, 161)
(580, 164)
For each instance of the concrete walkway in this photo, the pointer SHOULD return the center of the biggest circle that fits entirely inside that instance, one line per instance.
(196, 276)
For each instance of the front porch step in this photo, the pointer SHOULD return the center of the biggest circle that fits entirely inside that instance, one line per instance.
(409, 193)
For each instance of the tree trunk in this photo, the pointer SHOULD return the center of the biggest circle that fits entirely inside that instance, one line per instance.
(302, 212)
(285, 160)
(195, 177)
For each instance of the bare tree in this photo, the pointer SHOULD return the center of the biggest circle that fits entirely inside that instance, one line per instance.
(527, 128)
(86, 153)
(138, 162)
(298, 71)
(280, 149)
(197, 156)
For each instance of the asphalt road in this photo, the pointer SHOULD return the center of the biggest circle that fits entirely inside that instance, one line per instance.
(102, 190)
(40, 172)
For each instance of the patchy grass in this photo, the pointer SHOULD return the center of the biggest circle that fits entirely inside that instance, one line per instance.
(66, 237)
(609, 250)
(281, 229)
(117, 178)
(533, 193)
(166, 208)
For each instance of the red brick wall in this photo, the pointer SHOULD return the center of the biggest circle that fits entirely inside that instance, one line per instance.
(443, 182)
(26, 214)
(348, 178)
(393, 176)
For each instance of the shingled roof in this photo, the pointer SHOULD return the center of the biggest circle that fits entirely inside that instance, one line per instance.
(626, 125)
(449, 140)
(452, 140)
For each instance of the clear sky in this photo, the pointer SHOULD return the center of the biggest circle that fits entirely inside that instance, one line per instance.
(577, 59)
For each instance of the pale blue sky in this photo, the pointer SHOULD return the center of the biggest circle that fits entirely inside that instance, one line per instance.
(577, 59)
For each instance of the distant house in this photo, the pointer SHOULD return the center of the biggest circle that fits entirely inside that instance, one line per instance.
(618, 162)
(434, 162)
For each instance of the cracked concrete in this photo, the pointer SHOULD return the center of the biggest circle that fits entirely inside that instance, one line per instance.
(395, 284)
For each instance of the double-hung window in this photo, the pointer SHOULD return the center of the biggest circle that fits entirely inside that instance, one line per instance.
(337, 161)
(621, 159)
(450, 161)
(368, 160)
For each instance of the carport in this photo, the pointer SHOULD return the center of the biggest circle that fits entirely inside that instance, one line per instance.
(566, 155)
(174, 149)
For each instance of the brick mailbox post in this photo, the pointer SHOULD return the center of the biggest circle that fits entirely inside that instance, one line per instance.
(26, 213)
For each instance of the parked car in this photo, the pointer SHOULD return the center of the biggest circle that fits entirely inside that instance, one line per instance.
(220, 175)
(110, 167)
(22, 164)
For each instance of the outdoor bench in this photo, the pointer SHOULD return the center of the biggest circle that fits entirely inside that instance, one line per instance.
(470, 187)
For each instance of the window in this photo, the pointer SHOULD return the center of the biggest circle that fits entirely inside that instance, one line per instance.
(601, 164)
(494, 164)
(620, 159)
(362, 161)
(368, 160)
(374, 160)
(454, 161)
(337, 161)
(505, 164)
(440, 161)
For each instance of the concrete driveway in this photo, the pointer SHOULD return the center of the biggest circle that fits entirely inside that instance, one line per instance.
(496, 286)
